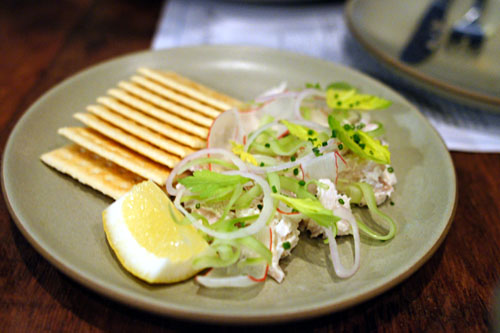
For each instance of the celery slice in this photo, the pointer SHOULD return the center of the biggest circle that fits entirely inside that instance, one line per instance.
(312, 209)
(361, 143)
(369, 197)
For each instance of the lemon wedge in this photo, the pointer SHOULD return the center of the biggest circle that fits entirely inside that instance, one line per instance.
(146, 239)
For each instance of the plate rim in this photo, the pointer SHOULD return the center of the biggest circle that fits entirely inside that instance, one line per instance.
(464, 96)
(182, 312)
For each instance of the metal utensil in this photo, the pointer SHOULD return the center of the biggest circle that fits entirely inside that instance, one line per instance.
(425, 39)
(469, 26)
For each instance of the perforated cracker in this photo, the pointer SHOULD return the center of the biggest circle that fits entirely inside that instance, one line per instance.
(167, 105)
(116, 153)
(169, 125)
(142, 132)
(175, 97)
(92, 170)
(114, 133)
(190, 88)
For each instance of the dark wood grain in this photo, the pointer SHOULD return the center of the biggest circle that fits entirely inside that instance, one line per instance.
(44, 42)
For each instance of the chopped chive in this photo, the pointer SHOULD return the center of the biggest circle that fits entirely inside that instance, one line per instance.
(287, 245)
(341, 201)
(334, 134)
(310, 132)
(392, 203)
(198, 205)
(261, 164)
(339, 103)
(390, 169)
(340, 146)
(294, 210)
(239, 224)
(362, 145)
(295, 171)
(267, 145)
(259, 206)
(302, 183)
(293, 158)
(324, 143)
(356, 138)
(347, 127)
(275, 190)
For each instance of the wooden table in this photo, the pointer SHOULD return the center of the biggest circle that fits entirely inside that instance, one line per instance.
(44, 42)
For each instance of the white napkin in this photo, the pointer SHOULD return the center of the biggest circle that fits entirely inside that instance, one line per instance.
(318, 30)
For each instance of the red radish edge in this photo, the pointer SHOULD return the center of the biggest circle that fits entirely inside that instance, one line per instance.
(282, 135)
(205, 274)
(256, 108)
(337, 165)
(337, 153)
(286, 213)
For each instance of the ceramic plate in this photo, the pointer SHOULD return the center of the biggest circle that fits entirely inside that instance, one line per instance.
(62, 219)
(455, 71)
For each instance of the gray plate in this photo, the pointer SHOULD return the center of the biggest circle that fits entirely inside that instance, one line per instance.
(384, 27)
(62, 219)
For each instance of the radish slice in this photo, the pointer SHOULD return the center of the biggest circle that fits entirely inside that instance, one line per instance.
(272, 93)
(226, 127)
(281, 108)
(272, 97)
(324, 166)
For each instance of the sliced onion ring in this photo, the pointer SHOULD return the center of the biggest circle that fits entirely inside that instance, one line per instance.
(272, 97)
(208, 151)
(239, 281)
(340, 270)
(255, 134)
(272, 92)
(281, 166)
(303, 95)
(265, 214)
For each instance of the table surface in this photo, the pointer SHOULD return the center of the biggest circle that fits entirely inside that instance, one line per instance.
(43, 43)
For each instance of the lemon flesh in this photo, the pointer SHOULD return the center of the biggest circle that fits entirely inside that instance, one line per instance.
(145, 238)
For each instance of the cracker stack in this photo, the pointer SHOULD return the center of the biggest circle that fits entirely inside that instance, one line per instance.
(139, 131)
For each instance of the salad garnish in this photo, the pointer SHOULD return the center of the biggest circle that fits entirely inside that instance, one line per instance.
(293, 162)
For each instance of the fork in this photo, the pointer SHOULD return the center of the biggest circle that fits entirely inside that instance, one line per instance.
(469, 26)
